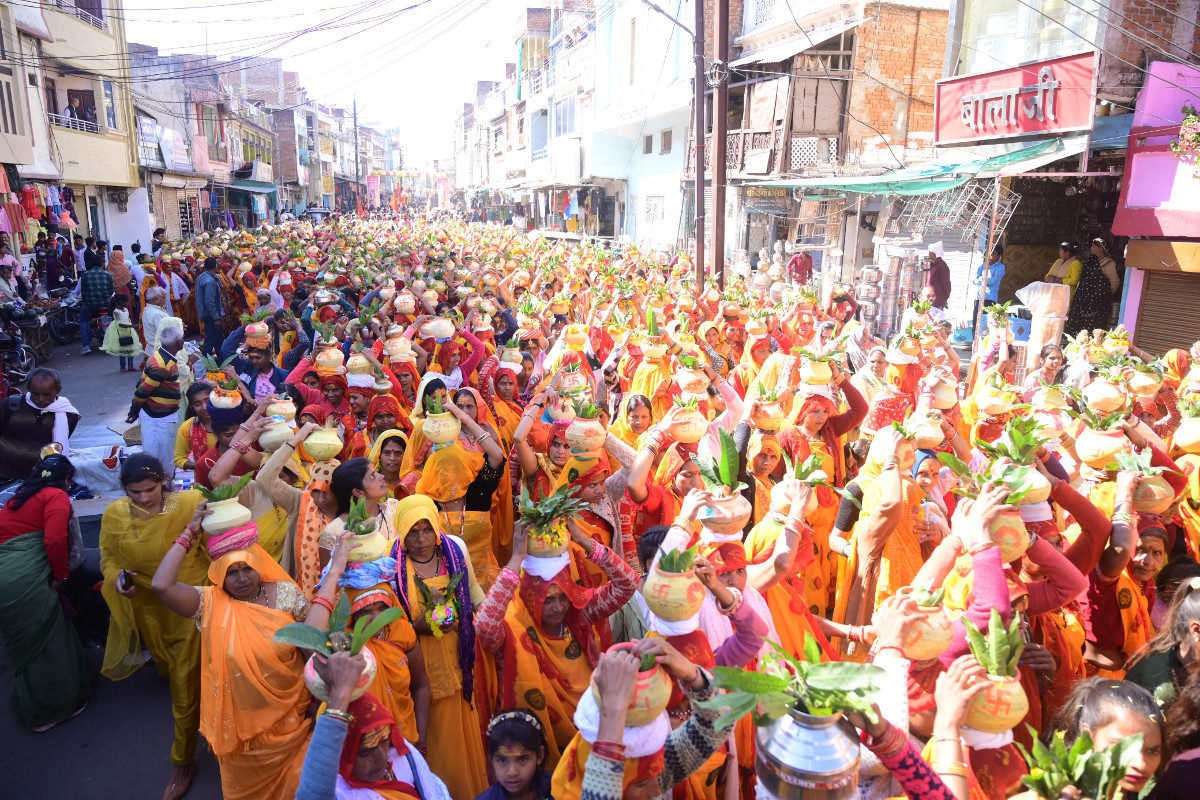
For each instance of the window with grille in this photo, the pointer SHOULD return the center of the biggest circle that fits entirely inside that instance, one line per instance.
(648, 144)
(666, 142)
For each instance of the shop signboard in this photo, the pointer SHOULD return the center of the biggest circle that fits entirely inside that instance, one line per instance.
(764, 199)
(1045, 97)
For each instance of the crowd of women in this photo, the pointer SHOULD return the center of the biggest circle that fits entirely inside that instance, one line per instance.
(464, 496)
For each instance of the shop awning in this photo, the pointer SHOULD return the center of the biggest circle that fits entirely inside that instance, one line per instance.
(780, 51)
(945, 173)
(253, 186)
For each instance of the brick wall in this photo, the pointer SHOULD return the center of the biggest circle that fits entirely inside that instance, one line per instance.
(736, 8)
(1160, 25)
(899, 55)
(537, 20)
(287, 164)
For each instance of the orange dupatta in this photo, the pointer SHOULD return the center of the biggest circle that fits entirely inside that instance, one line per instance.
(392, 681)
(254, 697)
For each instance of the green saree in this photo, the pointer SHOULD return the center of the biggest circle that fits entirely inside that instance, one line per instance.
(52, 677)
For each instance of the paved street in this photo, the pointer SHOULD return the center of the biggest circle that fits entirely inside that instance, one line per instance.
(117, 749)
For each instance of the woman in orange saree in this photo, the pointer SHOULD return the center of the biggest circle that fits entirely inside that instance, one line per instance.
(885, 553)
(539, 631)
(400, 683)
(253, 698)
(501, 513)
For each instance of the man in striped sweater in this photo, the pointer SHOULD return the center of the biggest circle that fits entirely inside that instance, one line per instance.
(156, 400)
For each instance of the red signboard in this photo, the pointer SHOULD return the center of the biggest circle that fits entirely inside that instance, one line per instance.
(1046, 97)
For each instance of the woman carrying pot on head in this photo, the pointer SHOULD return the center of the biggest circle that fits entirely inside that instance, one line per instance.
(463, 481)
(538, 594)
(378, 760)
(309, 506)
(758, 349)
(1091, 302)
(1066, 268)
(663, 473)
(1048, 373)
(383, 414)
(633, 419)
(499, 388)
(276, 529)
(253, 699)
(436, 586)
(719, 354)
(358, 479)
(135, 533)
(195, 436)
(500, 515)
(52, 680)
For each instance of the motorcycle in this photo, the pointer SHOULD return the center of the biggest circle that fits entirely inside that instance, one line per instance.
(19, 358)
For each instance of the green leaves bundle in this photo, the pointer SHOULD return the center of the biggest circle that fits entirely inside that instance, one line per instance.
(227, 491)
(1097, 774)
(677, 560)
(999, 651)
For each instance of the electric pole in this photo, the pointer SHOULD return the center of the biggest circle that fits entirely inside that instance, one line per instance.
(698, 101)
(720, 145)
(357, 197)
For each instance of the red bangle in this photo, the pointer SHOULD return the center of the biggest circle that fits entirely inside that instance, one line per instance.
(240, 447)
(323, 602)
(185, 543)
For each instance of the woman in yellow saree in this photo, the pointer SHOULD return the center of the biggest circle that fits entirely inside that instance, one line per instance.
(652, 378)
(758, 350)
(719, 354)
(436, 586)
(253, 696)
(471, 402)
(464, 482)
(135, 533)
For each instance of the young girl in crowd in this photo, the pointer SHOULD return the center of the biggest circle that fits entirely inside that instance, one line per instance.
(516, 746)
(121, 338)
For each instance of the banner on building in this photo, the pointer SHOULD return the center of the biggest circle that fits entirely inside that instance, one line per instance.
(402, 173)
(373, 189)
(443, 192)
(1052, 96)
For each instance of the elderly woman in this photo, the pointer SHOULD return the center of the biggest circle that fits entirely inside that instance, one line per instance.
(542, 597)
(253, 701)
(135, 533)
(436, 586)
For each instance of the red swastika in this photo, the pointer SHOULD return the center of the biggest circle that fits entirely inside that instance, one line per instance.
(998, 707)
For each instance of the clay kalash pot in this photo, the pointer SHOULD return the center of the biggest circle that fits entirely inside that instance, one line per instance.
(1009, 533)
(769, 416)
(438, 328)
(1099, 448)
(548, 542)
(651, 692)
(1000, 708)
(945, 395)
(405, 303)
(329, 360)
(585, 435)
(726, 515)
(1104, 396)
(281, 407)
(1145, 384)
(691, 381)
(275, 435)
(689, 426)
(225, 515)
(441, 428)
(815, 373)
(928, 636)
(673, 596)
(320, 691)
(560, 410)
(1187, 435)
(323, 444)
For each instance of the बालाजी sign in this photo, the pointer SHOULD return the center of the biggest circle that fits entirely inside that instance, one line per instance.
(1045, 97)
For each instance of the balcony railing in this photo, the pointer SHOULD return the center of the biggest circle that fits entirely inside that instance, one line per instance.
(218, 153)
(69, 7)
(539, 154)
(73, 124)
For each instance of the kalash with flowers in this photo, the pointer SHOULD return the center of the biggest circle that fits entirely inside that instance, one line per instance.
(672, 538)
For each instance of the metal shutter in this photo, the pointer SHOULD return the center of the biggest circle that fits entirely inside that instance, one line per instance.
(1169, 314)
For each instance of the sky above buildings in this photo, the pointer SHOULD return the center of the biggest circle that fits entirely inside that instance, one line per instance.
(410, 63)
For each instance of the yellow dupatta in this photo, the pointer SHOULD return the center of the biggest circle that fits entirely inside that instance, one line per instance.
(649, 379)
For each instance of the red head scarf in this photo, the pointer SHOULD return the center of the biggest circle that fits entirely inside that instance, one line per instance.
(314, 411)
(727, 556)
(1178, 362)
(385, 403)
(334, 380)
(533, 590)
(904, 377)
(367, 715)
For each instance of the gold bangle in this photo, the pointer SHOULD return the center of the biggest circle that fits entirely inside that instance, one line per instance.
(957, 768)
